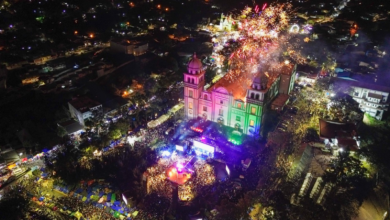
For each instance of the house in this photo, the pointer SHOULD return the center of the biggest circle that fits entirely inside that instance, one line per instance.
(307, 75)
(83, 108)
(72, 127)
(279, 102)
(373, 98)
(339, 136)
(133, 47)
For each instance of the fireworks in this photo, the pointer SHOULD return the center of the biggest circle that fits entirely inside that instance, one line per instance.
(264, 38)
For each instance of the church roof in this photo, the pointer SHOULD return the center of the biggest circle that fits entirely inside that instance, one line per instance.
(236, 85)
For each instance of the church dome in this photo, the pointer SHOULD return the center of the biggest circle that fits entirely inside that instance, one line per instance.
(195, 65)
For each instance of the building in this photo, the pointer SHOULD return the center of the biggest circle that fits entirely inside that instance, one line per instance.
(84, 108)
(312, 165)
(287, 78)
(372, 95)
(72, 127)
(226, 23)
(336, 136)
(135, 48)
(233, 101)
(372, 99)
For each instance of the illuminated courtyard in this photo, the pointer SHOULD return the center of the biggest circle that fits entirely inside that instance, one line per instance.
(176, 169)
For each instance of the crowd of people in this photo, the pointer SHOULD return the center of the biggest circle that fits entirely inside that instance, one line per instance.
(150, 135)
(158, 182)
(87, 210)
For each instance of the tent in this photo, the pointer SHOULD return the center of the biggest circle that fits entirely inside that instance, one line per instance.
(113, 198)
(95, 198)
(78, 215)
(116, 214)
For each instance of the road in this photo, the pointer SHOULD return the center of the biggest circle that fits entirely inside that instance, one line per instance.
(374, 207)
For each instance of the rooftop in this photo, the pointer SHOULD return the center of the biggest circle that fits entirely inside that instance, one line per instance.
(83, 104)
(280, 100)
(236, 85)
(126, 42)
(331, 129)
(287, 69)
(71, 126)
(362, 84)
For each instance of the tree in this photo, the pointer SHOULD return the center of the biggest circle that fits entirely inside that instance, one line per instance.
(227, 210)
(14, 205)
(351, 186)
(61, 132)
(150, 86)
(89, 150)
(155, 205)
(114, 134)
(376, 150)
(209, 75)
(89, 123)
(344, 108)
(122, 126)
(62, 114)
(311, 135)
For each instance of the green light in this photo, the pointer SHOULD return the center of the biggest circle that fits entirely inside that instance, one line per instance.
(40, 19)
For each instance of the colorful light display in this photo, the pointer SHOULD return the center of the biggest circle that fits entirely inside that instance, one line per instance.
(262, 42)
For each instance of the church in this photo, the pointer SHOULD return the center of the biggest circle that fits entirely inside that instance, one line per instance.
(237, 102)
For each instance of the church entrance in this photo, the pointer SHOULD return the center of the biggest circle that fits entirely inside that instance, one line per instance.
(237, 127)
(220, 120)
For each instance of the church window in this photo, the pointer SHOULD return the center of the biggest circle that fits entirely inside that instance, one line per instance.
(191, 93)
(205, 96)
(239, 105)
(252, 96)
(238, 118)
(251, 123)
(205, 108)
(221, 112)
(253, 110)
(190, 105)
(257, 96)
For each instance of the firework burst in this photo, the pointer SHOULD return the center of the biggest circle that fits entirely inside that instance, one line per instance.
(264, 43)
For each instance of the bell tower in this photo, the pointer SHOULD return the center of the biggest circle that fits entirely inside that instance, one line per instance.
(193, 86)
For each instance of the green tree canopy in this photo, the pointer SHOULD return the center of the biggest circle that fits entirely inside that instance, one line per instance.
(114, 134)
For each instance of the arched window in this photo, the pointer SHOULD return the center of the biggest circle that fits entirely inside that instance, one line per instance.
(205, 96)
(252, 96)
(239, 105)
(257, 96)
(192, 81)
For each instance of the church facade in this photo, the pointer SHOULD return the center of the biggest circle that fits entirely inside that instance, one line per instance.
(227, 102)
